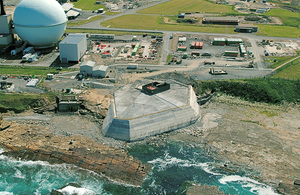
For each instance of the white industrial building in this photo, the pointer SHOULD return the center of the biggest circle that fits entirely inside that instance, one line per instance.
(100, 71)
(72, 48)
(89, 68)
(86, 68)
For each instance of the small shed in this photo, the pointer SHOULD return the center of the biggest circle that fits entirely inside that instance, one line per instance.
(100, 71)
(32, 83)
(182, 39)
(86, 68)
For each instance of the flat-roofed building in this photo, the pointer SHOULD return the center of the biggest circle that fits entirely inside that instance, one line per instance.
(72, 48)
(221, 20)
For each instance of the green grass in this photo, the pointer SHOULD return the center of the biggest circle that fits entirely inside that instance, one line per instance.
(269, 90)
(278, 31)
(269, 113)
(288, 18)
(173, 7)
(169, 57)
(152, 22)
(28, 70)
(279, 60)
(78, 23)
(112, 13)
(88, 5)
(289, 71)
(21, 102)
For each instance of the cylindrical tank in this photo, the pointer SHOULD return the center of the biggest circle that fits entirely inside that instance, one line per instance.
(40, 22)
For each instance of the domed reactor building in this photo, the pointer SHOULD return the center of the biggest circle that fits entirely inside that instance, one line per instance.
(155, 108)
(39, 22)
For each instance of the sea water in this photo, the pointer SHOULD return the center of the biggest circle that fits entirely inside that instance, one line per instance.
(173, 165)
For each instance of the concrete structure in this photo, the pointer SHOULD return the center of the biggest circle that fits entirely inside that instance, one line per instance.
(40, 22)
(5, 29)
(134, 115)
(72, 48)
(221, 20)
(246, 28)
(68, 103)
(100, 71)
(32, 83)
(86, 68)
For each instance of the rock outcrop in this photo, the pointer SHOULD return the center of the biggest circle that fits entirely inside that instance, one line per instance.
(34, 143)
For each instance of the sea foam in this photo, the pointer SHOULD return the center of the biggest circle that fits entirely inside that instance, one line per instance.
(69, 190)
(246, 182)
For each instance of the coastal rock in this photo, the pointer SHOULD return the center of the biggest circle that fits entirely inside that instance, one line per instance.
(4, 124)
(203, 190)
(31, 143)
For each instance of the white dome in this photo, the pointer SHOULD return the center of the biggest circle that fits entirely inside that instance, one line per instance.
(40, 22)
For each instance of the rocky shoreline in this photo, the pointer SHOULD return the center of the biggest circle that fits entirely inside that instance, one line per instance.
(30, 142)
(258, 137)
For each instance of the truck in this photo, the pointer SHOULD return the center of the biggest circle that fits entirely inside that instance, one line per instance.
(132, 66)
(212, 71)
(26, 57)
(209, 63)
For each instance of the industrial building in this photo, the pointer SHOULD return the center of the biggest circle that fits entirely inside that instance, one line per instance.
(100, 71)
(68, 103)
(86, 68)
(5, 26)
(89, 68)
(246, 28)
(134, 114)
(72, 48)
(221, 20)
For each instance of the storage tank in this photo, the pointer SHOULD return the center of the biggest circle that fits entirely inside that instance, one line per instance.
(40, 22)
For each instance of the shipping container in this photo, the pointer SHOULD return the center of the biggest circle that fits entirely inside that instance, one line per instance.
(234, 41)
(193, 45)
(195, 53)
(181, 48)
(231, 53)
(243, 50)
(199, 45)
(219, 41)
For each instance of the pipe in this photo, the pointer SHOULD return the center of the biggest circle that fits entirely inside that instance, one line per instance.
(2, 8)
(18, 50)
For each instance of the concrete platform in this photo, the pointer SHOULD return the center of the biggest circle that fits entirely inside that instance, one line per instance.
(134, 115)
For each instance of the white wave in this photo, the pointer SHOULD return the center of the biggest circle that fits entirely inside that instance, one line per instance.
(18, 174)
(6, 193)
(69, 190)
(246, 182)
(1, 150)
(167, 161)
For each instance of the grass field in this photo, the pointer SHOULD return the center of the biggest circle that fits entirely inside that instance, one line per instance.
(78, 23)
(288, 18)
(278, 31)
(174, 6)
(279, 60)
(28, 70)
(87, 5)
(289, 71)
(21, 102)
(152, 22)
